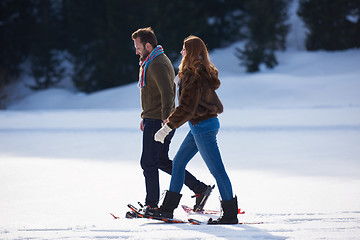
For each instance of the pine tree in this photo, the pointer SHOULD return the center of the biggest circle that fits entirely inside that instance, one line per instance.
(16, 21)
(266, 32)
(46, 48)
(100, 42)
(332, 24)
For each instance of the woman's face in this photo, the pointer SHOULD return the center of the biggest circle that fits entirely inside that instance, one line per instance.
(183, 51)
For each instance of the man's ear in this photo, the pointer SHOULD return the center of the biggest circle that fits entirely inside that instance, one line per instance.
(149, 47)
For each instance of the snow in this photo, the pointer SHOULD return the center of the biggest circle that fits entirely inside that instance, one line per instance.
(289, 139)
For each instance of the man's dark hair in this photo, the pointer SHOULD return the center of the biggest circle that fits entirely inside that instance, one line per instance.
(146, 35)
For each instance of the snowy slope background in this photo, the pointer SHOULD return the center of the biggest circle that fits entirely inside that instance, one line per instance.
(289, 138)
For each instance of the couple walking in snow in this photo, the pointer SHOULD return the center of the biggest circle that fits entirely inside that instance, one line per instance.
(199, 105)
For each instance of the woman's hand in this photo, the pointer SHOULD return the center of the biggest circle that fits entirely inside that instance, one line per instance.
(162, 133)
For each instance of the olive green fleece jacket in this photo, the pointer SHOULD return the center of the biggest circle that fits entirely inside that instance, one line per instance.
(158, 94)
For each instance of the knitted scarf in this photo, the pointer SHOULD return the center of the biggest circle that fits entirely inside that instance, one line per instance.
(156, 52)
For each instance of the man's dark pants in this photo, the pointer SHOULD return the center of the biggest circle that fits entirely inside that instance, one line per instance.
(155, 156)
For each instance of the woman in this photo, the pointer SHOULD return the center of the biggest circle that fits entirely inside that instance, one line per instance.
(199, 106)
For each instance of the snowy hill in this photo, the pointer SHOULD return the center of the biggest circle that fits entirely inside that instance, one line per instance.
(302, 79)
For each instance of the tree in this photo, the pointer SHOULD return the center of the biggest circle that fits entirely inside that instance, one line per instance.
(332, 24)
(16, 21)
(47, 44)
(266, 32)
(100, 42)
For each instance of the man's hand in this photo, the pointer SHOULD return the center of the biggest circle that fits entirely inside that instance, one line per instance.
(162, 133)
(142, 125)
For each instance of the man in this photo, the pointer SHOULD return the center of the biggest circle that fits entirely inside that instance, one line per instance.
(157, 87)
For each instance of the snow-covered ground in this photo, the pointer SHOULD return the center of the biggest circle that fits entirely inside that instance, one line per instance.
(290, 141)
(289, 138)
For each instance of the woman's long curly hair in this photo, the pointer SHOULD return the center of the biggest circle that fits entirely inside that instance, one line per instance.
(196, 57)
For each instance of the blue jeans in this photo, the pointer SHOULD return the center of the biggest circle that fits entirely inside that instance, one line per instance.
(155, 156)
(202, 138)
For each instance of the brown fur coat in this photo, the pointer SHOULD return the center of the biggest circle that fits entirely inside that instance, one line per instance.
(197, 99)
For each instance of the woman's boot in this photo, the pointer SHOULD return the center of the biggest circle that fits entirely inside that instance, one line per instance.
(230, 211)
(171, 201)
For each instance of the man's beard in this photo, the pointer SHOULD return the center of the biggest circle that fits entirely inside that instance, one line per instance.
(146, 53)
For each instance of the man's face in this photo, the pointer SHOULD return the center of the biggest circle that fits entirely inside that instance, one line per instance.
(140, 49)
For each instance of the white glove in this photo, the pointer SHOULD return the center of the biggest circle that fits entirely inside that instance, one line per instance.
(162, 133)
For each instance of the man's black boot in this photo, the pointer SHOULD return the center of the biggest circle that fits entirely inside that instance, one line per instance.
(202, 197)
